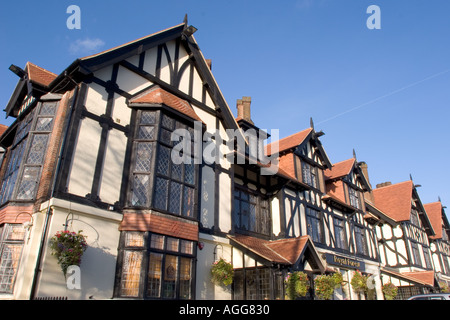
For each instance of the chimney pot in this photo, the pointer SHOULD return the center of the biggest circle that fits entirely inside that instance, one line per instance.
(243, 107)
(384, 184)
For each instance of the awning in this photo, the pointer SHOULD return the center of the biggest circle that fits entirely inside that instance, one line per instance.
(289, 252)
(421, 278)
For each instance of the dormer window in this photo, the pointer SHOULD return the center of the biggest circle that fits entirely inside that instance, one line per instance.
(309, 174)
(353, 196)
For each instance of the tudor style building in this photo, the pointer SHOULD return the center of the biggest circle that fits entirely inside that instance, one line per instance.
(404, 245)
(92, 149)
(440, 243)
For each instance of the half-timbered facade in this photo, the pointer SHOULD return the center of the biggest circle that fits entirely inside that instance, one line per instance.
(91, 150)
(440, 242)
(137, 147)
(404, 247)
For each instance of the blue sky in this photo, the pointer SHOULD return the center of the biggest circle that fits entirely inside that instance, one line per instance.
(384, 93)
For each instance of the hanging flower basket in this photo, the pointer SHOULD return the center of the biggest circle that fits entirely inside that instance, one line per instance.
(297, 285)
(359, 282)
(390, 291)
(222, 272)
(68, 247)
(338, 279)
(324, 286)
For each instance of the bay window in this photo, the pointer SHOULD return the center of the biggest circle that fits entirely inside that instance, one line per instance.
(27, 154)
(157, 181)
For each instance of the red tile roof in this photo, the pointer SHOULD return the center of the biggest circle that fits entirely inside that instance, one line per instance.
(340, 169)
(395, 200)
(2, 129)
(39, 75)
(156, 95)
(434, 213)
(420, 277)
(289, 142)
(283, 251)
(425, 277)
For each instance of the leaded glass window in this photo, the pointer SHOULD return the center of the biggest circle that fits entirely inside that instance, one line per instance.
(354, 198)
(166, 263)
(314, 224)
(251, 212)
(361, 241)
(257, 284)
(11, 244)
(27, 153)
(309, 174)
(339, 233)
(158, 181)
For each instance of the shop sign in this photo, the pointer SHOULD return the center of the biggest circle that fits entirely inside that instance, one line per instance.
(344, 262)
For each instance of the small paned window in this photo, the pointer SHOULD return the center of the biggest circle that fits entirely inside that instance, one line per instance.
(426, 254)
(251, 212)
(314, 224)
(27, 154)
(161, 269)
(11, 244)
(157, 180)
(339, 233)
(416, 254)
(354, 198)
(361, 241)
(256, 284)
(309, 174)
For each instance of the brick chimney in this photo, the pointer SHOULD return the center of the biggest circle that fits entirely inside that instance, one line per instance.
(384, 184)
(243, 108)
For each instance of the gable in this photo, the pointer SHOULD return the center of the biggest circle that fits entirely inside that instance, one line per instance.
(170, 59)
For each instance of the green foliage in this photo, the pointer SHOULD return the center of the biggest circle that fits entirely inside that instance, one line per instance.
(390, 291)
(222, 272)
(359, 282)
(68, 247)
(297, 285)
(324, 286)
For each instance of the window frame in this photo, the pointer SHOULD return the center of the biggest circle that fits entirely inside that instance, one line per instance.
(147, 250)
(262, 219)
(158, 143)
(361, 248)
(314, 222)
(354, 198)
(310, 174)
(5, 231)
(270, 289)
(27, 132)
(343, 243)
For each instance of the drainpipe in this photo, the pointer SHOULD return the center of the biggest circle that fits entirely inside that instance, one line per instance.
(49, 213)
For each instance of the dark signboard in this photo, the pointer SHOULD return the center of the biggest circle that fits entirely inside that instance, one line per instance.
(344, 262)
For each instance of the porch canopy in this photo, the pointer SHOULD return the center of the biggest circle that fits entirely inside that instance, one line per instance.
(294, 252)
(418, 278)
